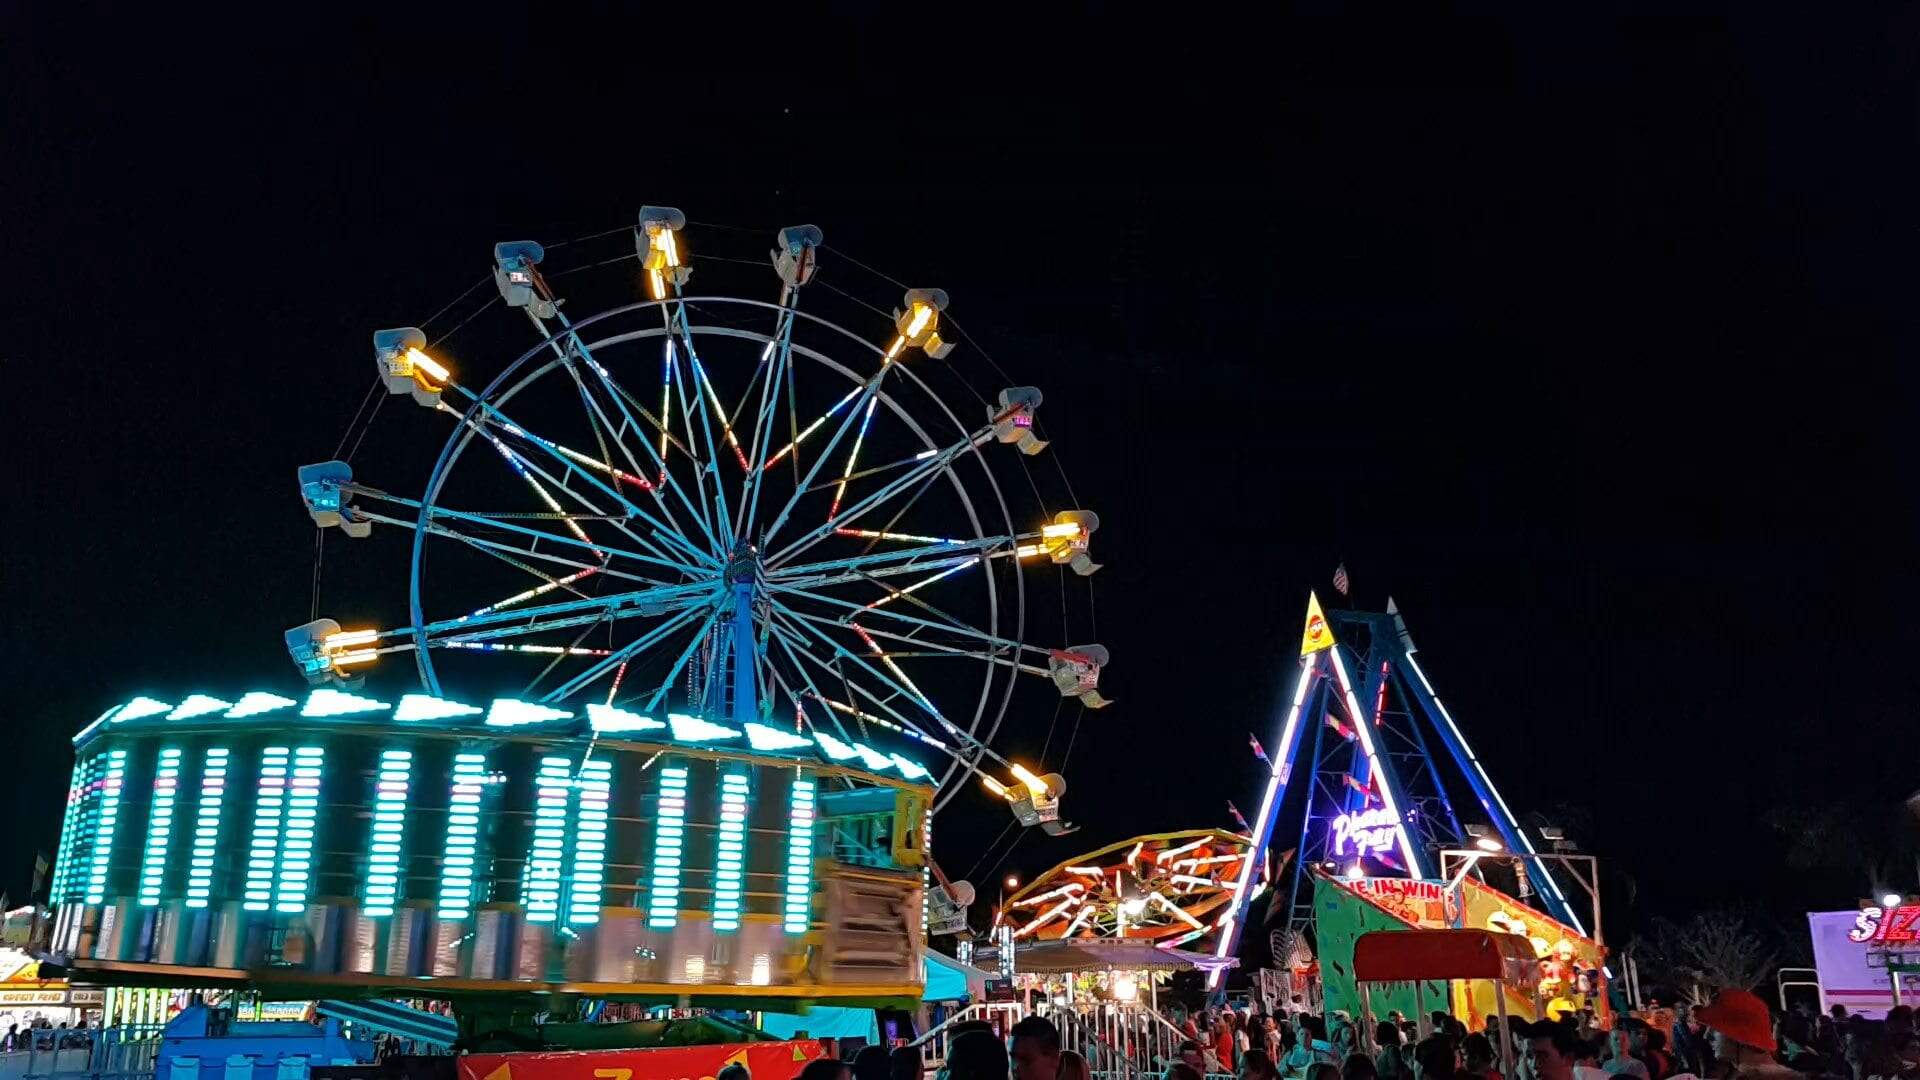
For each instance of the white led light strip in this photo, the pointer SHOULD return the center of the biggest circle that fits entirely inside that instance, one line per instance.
(798, 909)
(594, 787)
(669, 836)
(393, 783)
(463, 832)
(730, 854)
(268, 809)
(206, 828)
(296, 846)
(166, 792)
(540, 891)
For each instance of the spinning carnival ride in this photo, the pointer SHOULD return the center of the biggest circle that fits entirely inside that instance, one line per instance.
(727, 507)
(739, 593)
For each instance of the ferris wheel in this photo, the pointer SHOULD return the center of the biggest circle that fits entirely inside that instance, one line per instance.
(738, 511)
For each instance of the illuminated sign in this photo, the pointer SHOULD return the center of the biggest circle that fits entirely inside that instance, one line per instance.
(1883, 927)
(1425, 904)
(1368, 832)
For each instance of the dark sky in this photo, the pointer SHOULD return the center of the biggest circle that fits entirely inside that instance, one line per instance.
(1592, 342)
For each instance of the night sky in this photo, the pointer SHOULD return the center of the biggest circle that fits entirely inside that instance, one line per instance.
(1593, 343)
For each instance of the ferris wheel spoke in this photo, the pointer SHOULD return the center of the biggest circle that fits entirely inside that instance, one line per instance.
(794, 640)
(925, 469)
(619, 657)
(858, 398)
(862, 611)
(896, 680)
(997, 656)
(689, 409)
(939, 552)
(639, 602)
(777, 635)
(963, 745)
(669, 533)
(523, 466)
(528, 471)
(779, 373)
(628, 406)
(686, 654)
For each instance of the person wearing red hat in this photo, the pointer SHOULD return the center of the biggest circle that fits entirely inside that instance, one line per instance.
(1743, 1042)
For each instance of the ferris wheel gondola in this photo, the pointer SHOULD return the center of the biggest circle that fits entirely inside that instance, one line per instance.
(723, 507)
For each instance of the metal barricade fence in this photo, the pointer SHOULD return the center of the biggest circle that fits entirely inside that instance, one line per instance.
(933, 1045)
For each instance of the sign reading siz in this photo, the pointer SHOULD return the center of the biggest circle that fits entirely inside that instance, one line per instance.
(1883, 927)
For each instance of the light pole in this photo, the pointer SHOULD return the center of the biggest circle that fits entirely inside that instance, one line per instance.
(1456, 863)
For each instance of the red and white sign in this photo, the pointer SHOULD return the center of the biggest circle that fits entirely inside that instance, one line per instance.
(778, 1060)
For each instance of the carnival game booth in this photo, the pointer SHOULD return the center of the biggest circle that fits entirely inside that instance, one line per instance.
(344, 846)
(1421, 958)
(1567, 966)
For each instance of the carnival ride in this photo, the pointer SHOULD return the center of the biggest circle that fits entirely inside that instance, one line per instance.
(736, 636)
(1168, 888)
(1373, 765)
(726, 506)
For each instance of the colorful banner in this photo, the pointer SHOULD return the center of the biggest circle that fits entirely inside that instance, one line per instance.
(1317, 634)
(774, 1060)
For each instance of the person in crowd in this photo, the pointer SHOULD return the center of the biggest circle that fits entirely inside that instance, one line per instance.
(1390, 1062)
(1551, 1049)
(904, 1064)
(1622, 1058)
(735, 1071)
(1659, 1061)
(1243, 1030)
(1189, 1053)
(1311, 1049)
(1220, 1041)
(870, 1062)
(1433, 1058)
(1482, 1063)
(1689, 1040)
(1036, 1049)
(1271, 1038)
(975, 1055)
(1180, 1070)
(1256, 1065)
(1358, 1067)
(1322, 1070)
(1074, 1067)
(1742, 1037)
(826, 1069)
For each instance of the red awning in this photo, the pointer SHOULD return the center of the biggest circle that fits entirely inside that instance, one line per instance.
(1409, 955)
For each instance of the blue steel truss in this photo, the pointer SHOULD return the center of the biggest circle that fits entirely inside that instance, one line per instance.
(1364, 731)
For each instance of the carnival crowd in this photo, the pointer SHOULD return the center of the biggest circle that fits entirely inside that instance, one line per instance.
(1736, 1037)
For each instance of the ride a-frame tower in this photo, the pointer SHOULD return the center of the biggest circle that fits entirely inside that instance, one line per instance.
(1387, 773)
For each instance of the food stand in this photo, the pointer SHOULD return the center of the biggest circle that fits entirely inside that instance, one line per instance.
(1420, 956)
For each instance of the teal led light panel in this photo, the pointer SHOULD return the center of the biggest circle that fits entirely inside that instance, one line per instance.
(392, 784)
(463, 836)
(206, 826)
(166, 792)
(296, 845)
(594, 788)
(669, 843)
(797, 912)
(730, 854)
(269, 813)
(104, 828)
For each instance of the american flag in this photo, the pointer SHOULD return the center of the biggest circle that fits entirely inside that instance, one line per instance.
(1340, 581)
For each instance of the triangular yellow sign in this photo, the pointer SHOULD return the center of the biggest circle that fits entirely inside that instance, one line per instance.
(798, 1054)
(1316, 636)
(504, 1072)
(738, 1057)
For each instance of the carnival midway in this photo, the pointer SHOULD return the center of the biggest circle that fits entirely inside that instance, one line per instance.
(720, 597)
